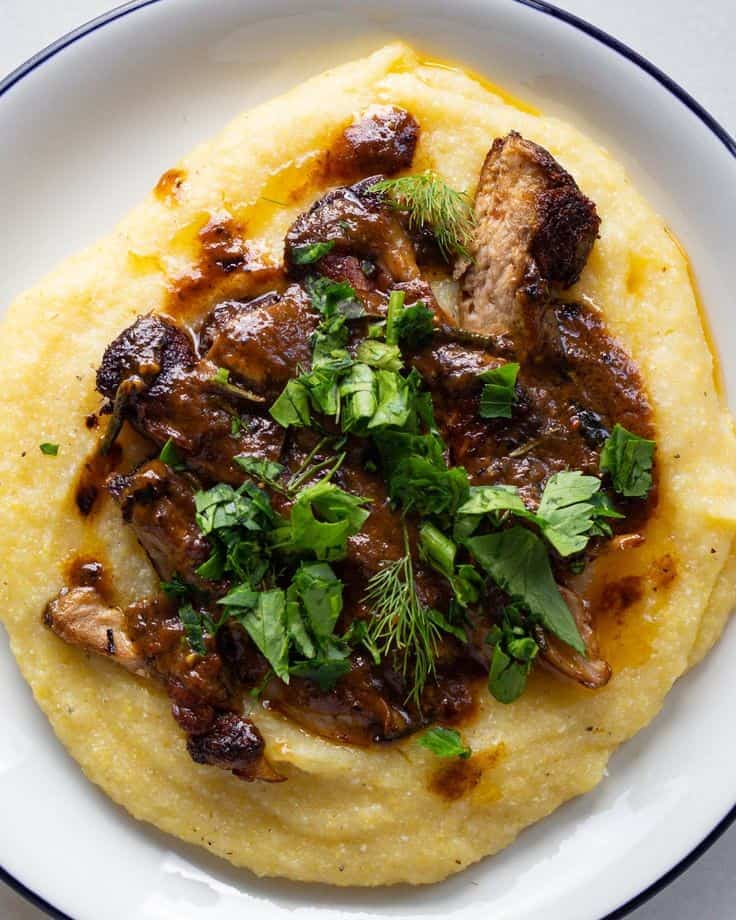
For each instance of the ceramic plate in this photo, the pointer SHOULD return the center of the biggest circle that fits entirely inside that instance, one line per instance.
(87, 128)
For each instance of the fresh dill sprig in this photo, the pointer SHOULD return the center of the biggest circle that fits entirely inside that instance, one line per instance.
(401, 625)
(430, 202)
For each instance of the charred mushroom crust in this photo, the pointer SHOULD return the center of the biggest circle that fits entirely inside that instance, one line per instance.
(534, 232)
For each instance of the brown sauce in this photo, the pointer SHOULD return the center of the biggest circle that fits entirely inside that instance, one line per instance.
(97, 467)
(625, 633)
(86, 571)
(460, 777)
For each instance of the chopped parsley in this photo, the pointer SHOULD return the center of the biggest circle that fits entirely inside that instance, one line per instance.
(514, 651)
(284, 591)
(312, 252)
(517, 561)
(51, 450)
(445, 742)
(628, 459)
(415, 325)
(261, 469)
(197, 624)
(572, 509)
(497, 395)
(175, 587)
(323, 517)
(170, 456)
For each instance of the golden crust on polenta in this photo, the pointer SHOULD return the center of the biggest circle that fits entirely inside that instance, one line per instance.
(641, 597)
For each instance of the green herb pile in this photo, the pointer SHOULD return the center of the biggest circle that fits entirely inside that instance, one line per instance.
(286, 593)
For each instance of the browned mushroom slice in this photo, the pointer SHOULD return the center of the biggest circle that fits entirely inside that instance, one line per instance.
(264, 342)
(534, 232)
(80, 616)
(233, 743)
(159, 504)
(383, 140)
(180, 398)
(355, 222)
(590, 671)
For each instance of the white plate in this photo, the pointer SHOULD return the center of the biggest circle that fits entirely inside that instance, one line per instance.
(87, 128)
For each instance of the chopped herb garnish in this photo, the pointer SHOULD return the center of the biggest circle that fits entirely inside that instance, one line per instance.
(330, 297)
(571, 511)
(415, 325)
(196, 624)
(325, 672)
(517, 561)
(51, 450)
(513, 655)
(380, 355)
(440, 551)
(445, 742)
(628, 459)
(175, 587)
(170, 456)
(304, 255)
(497, 396)
(393, 312)
(292, 406)
(428, 488)
(266, 625)
(222, 375)
(322, 518)
(236, 425)
(430, 202)
(260, 468)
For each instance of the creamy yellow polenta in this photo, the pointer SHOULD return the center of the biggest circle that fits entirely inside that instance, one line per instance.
(350, 816)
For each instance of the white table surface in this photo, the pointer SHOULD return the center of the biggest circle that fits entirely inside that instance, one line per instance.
(692, 41)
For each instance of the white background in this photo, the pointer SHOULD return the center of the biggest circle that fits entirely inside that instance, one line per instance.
(692, 41)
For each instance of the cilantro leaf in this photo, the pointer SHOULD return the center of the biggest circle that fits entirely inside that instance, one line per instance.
(513, 655)
(358, 634)
(379, 355)
(393, 312)
(325, 672)
(266, 625)
(170, 456)
(260, 468)
(311, 252)
(426, 488)
(415, 325)
(517, 561)
(332, 297)
(51, 450)
(357, 392)
(628, 459)
(320, 591)
(440, 551)
(393, 401)
(176, 587)
(569, 509)
(445, 742)
(322, 518)
(497, 396)
(489, 499)
(222, 506)
(191, 620)
(292, 405)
